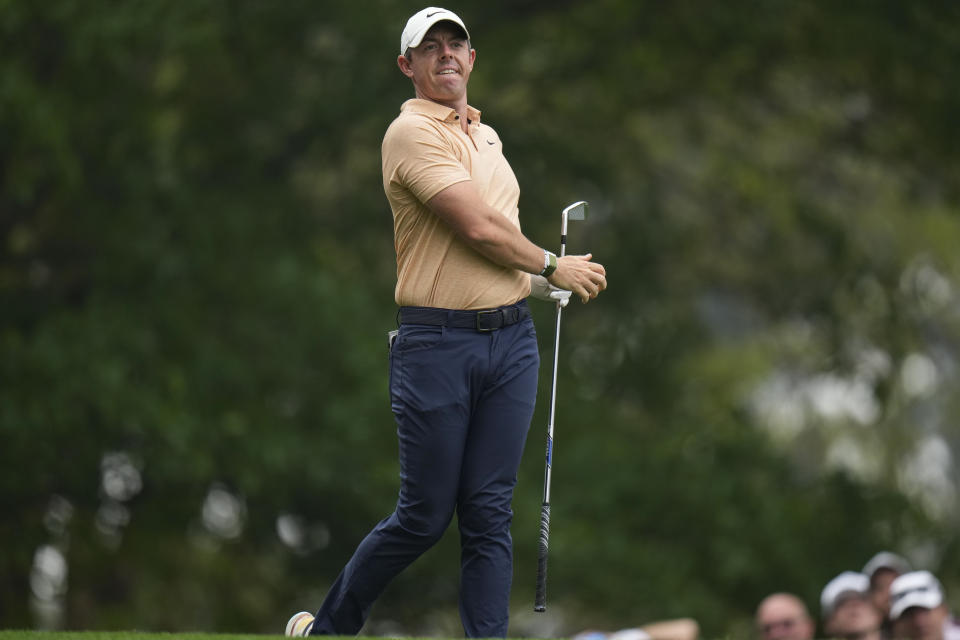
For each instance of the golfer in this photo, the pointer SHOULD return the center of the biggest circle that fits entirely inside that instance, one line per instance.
(463, 368)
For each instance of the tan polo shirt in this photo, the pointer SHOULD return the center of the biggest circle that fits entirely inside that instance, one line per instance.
(425, 151)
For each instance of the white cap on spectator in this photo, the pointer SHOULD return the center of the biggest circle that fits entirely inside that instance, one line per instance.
(846, 584)
(886, 560)
(420, 22)
(914, 589)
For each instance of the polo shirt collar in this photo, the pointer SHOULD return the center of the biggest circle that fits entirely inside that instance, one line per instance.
(438, 111)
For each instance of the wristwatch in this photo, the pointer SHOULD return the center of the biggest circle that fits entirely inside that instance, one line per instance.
(549, 263)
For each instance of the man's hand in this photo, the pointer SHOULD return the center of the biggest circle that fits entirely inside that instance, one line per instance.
(541, 289)
(586, 279)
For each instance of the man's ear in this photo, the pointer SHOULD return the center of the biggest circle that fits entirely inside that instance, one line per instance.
(404, 65)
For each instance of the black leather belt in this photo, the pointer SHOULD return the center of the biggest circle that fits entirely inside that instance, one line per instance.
(481, 320)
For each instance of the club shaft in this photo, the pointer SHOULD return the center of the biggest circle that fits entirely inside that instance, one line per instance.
(540, 596)
(553, 408)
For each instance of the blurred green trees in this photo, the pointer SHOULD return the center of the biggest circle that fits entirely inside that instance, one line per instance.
(196, 276)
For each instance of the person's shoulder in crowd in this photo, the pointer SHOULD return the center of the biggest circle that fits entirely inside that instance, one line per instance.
(673, 629)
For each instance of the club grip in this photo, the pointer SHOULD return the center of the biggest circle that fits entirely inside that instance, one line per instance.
(540, 599)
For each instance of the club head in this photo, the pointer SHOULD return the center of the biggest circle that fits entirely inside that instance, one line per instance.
(576, 211)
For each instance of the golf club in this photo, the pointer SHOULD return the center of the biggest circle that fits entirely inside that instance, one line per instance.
(576, 211)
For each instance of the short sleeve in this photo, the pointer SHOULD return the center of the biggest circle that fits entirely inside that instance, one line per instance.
(418, 156)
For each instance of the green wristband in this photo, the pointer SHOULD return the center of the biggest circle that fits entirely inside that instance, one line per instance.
(550, 263)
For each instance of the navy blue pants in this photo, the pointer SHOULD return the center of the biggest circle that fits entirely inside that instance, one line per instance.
(463, 401)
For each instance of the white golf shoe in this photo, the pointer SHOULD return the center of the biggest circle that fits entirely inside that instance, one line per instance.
(299, 625)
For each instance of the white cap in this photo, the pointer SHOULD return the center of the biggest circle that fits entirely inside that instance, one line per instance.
(886, 560)
(915, 589)
(847, 583)
(420, 22)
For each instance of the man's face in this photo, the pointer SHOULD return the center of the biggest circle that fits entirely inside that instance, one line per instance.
(918, 623)
(782, 618)
(880, 588)
(854, 617)
(440, 66)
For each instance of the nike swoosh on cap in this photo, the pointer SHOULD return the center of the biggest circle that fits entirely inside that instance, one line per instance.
(430, 15)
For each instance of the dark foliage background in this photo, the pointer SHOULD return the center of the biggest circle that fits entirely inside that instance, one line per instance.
(196, 275)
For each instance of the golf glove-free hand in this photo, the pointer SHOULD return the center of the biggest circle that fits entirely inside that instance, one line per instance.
(543, 290)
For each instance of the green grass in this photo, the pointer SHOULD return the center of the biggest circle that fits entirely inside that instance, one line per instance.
(143, 635)
(120, 635)
(138, 635)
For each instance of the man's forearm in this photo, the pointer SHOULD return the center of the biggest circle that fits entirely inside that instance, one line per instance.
(503, 243)
(485, 229)
(495, 237)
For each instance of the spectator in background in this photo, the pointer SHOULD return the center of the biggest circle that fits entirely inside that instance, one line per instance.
(675, 629)
(847, 609)
(784, 616)
(882, 569)
(918, 609)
